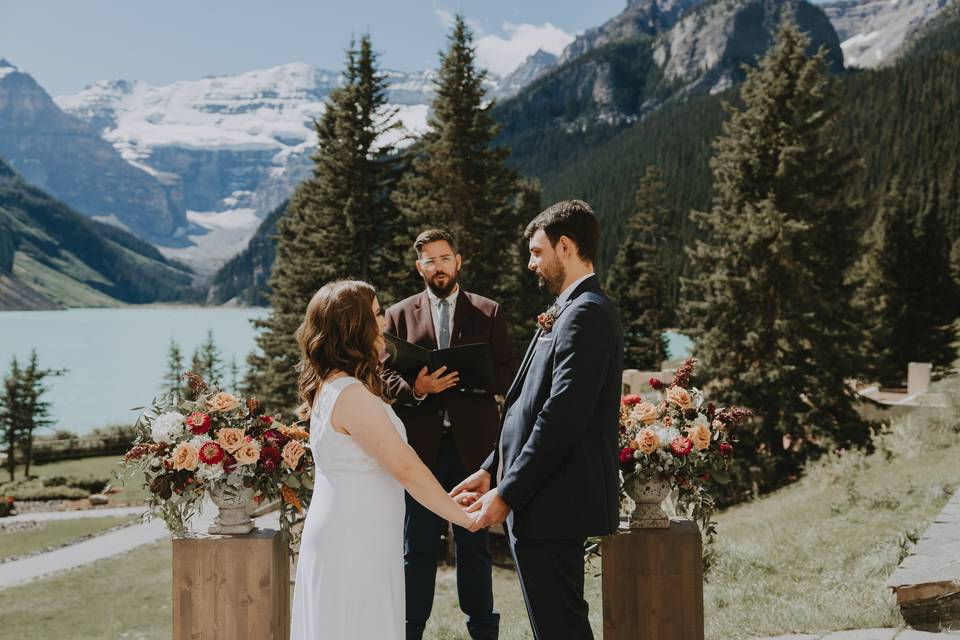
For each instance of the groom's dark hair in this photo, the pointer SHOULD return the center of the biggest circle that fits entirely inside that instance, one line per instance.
(571, 218)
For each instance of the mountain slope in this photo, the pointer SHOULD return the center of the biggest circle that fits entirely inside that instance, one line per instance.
(872, 31)
(67, 157)
(902, 118)
(52, 256)
(244, 278)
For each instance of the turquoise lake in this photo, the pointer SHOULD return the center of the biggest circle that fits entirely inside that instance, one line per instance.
(116, 358)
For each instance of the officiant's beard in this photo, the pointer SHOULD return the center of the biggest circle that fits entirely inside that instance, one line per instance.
(551, 276)
(442, 291)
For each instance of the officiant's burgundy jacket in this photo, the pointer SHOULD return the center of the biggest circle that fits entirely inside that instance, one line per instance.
(474, 416)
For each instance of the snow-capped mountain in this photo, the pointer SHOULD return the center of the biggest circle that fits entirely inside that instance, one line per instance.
(871, 31)
(237, 146)
(226, 137)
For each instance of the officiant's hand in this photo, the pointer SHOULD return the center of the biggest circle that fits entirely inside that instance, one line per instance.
(491, 508)
(470, 490)
(435, 382)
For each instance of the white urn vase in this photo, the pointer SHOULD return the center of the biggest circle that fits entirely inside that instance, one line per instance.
(233, 503)
(648, 496)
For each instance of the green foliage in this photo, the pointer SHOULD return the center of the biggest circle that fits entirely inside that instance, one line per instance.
(768, 308)
(908, 299)
(339, 224)
(635, 280)
(23, 410)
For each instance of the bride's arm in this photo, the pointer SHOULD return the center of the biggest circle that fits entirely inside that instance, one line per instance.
(361, 414)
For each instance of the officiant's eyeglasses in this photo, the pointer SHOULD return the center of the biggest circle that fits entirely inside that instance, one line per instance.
(431, 264)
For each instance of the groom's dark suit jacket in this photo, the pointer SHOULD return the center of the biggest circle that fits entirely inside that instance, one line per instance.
(473, 416)
(560, 425)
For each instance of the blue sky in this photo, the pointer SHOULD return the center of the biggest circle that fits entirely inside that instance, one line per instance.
(67, 44)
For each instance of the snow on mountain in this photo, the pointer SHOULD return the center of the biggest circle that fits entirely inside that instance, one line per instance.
(871, 31)
(234, 145)
(269, 110)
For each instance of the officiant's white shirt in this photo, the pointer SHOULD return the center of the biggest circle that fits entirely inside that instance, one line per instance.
(435, 311)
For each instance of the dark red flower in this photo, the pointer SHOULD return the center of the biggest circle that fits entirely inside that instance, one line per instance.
(270, 458)
(681, 446)
(690, 414)
(199, 423)
(682, 377)
(211, 453)
(631, 399)
(229, 463)
(266, 419)
(711, 411)
(656, 384)
(726, 449)
(273, 437)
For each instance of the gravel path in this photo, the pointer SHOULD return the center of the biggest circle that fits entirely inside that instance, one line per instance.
(104, 546)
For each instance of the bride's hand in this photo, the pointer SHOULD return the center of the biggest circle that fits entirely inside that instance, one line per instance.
(466, 498)
(473, 522)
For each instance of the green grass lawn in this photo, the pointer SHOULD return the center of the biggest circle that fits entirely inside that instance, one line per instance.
(811, 557)
(130, 490)
(55, 533)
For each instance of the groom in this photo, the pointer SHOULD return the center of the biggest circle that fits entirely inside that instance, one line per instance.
(554, 471)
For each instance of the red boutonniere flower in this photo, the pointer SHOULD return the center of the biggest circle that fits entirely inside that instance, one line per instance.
(548, 317)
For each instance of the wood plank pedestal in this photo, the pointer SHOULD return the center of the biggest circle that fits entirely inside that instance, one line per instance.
(231, 587)
(653, 584)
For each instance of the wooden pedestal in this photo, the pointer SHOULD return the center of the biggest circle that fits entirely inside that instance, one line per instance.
(653, 584)
(231, 587)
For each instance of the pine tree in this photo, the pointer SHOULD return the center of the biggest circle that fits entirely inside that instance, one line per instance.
(905, 299)
(636, 283)
(235, 387)
(769, 305)
(208, 361)
(459, 181)
(11, 414)
(36, 410)
(339, 224)
(173, 381)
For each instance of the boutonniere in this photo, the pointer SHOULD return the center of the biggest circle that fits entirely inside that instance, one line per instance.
(548, 317)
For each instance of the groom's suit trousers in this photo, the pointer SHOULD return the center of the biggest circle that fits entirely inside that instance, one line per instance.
(551, 576)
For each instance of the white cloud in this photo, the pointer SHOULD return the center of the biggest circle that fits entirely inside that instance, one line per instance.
(501, 55)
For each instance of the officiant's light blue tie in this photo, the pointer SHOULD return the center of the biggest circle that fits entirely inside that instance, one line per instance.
(443, 331)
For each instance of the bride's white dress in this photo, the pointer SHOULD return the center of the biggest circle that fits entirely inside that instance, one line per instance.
(349, 583)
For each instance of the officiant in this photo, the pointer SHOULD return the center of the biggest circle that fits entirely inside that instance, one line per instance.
(452, 427)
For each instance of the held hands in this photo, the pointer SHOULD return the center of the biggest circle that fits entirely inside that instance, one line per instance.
(435, 382)
(487, 506)
(470, 490)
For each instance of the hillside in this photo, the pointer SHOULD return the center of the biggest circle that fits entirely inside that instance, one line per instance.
(902, 118)
(52, 257)
(244, 278)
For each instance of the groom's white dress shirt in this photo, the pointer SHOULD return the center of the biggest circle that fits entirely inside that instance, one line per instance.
(565, 294)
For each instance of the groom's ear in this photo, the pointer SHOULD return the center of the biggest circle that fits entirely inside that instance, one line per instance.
(459, 262)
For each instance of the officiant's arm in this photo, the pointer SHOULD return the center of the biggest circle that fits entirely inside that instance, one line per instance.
(503, 358)
(582, 355)
(398, 387)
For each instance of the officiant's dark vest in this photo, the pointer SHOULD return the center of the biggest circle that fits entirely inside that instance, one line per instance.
(473, 416)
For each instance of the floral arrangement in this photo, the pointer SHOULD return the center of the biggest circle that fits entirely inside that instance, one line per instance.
(186, 447)
(6, 506)
(681, 439)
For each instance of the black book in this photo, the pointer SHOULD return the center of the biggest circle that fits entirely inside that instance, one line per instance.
(474, 362)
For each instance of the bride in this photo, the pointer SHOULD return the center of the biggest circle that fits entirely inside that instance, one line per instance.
(349, 583)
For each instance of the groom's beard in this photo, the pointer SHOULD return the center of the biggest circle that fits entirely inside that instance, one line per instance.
(442, 286)
(551, 276)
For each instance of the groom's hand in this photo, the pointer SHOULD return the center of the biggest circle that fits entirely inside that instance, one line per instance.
(468, 491)
(491, 508)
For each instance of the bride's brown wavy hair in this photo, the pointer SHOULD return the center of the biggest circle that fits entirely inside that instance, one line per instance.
(338, 333)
